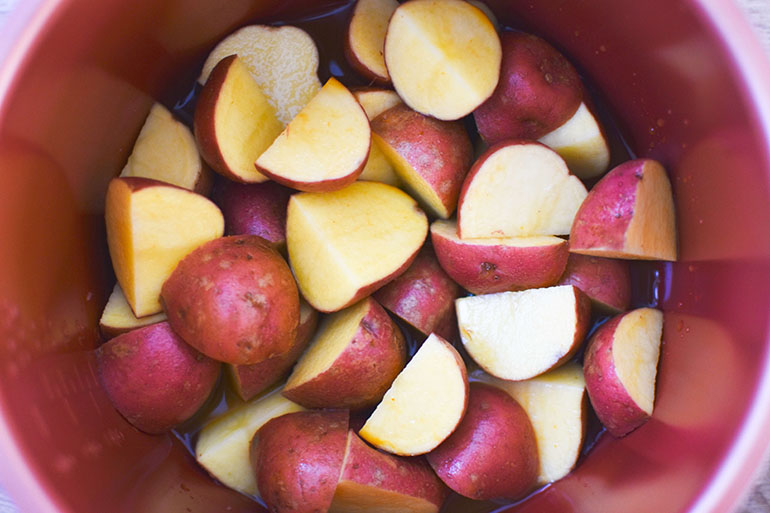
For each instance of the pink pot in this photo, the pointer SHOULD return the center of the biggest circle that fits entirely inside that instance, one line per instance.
(688, 86)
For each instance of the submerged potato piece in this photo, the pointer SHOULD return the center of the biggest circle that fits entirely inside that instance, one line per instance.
(235, 300)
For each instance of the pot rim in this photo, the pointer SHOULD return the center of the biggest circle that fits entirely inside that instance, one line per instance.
(749, 450)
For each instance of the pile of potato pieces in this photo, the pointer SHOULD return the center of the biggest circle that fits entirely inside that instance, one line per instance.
(354, 225)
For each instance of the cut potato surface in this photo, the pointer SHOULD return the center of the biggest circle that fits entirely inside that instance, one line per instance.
(344, 244)
(581, 143)
(376, 101)
(366, 38)
(325, 147)
(635, 351)
(518, 335)
(443, 56)
(223, 444)
(118, 317)
(234, 123)
(518, 189)
(556, 405)
(151, 226)
(283, 61)
(424, 404)
(165, 150)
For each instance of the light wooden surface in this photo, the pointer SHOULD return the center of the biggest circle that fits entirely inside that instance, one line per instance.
(758, 12)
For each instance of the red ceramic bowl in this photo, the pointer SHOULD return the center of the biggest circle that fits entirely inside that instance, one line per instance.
(687, 84)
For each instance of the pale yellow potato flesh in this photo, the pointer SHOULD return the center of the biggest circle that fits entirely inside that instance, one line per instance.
(283, 61)
(149, 231)
(329, 139)
(376, 101)
(333, 337)
(443, 56)
(635, 353)
(224, 443)
(366, 34)
(581, 143)
(520, 190)
(487, 12)
(448, 230)
(556, 405)
(518, 335)
(118, 316)
(165, 150)
(423, 405)
(245, 123)
(652, 230)
(342, 241)
(352, 497)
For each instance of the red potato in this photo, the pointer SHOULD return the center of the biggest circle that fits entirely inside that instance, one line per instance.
(485, 266)
(539, 90)
(423, 296)
(424, 404)
(165, 150)
(352, 361)
(235, 300)
(375, 481)
(250, 380)
(307, 156)
(298, 458)
(430, 156)
(606, 281)
(493, 452)
(151, 226)
(153, 378)
(620, 367)
(117, 316)
(443, 57)
(375, 101)
(365, 38)
(519, 335)
(628, 214)
(254, 209)
(234, 122)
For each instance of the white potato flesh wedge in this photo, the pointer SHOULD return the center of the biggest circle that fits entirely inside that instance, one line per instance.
(581, 143)
(223, 444)
(117, 316)
(557, 407)
(366, 38)
(283, 60)
(376, 101)
(519, 335)
(423, 405)
(635, 351)
(165, 150)
(345, 244)
(151, 226)
(325, 147)
(443, 56)
(518, 189)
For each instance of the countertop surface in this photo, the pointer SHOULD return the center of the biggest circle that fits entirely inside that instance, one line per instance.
(758, 12)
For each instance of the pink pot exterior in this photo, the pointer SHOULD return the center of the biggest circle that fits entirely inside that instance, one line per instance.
(689, 86)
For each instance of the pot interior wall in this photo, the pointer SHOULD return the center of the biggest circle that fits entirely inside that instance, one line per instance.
(79, 100)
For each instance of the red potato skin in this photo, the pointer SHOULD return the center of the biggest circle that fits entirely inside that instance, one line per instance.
(493, 452)
(363, 372)
(250, 380)
(366, 466)
(234, 299)
(203, 120)
(298, 458)
(539, 90)
(254, 209)
(606, 281)
(616, 410)
(439, 151)
(423, 296)
(153, 378)
(603, 218)
(484, 269)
